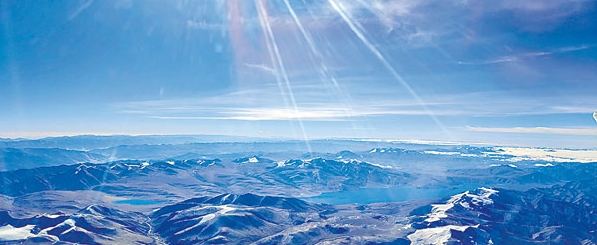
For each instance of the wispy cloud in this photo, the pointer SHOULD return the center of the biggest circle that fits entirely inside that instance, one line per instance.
(523, 56)
(314, 104)
(262, 67)
(202, 25)
(540, 5)
(536, 130)
(84, 5)
(533, 16)
(39, 135)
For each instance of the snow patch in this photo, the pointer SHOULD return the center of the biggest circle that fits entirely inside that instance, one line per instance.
(10, 233)
(51, 216)
(223, 210)
(170, 162)
(438, 211)
(354, 161)
(379, 165)
(385, 150)
(423, 142)
(544, 165)
(450, 153)
(253, 160)
(499, 165)
(548, 155)
(437, 235)
(483, 197)
(68, 222)
(441, 153)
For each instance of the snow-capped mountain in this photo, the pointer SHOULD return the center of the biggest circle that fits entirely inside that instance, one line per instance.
(91, 225)
(563, 214)
(368, 193)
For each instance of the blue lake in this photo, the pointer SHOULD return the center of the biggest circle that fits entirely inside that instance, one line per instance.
(136, 202)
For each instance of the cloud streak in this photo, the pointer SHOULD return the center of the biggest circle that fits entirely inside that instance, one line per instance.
(521, 57)
(317, 105)
(79, 9)
(536, 130)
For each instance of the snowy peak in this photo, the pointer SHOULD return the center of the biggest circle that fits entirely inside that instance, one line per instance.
(543, 216)
(256, 200)
(438, 228)
(472, 200)
(326, 163)
(231, 218)
(91, 225)
(347, 155)
(252, 159)
(386, 150)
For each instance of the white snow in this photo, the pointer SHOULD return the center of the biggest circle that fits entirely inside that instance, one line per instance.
(483, 198)
(79, 168)
(201, 162)
(437, 235)
(385, 150)
(441, 153)
(354, 161)
(469, 155)
(68, 222)
(223, 210)
(10, 233)
(549, 155)
(51, 216)
(253, 160)
(544, 165)
(423, 142)
(438, 211)
(499, 165)
(378, 165)
(281, 164)
(451, 153)
(170, 162)
(217, 237)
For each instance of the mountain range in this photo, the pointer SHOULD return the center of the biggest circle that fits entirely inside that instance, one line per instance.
(391, 193)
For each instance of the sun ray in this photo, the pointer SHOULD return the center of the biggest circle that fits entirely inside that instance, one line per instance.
(357, 30)
(321, 67)
(281, 74)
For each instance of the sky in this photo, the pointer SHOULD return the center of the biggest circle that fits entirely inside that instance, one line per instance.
(497, 72)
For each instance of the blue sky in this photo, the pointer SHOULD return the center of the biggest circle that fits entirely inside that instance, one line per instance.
(499, 72)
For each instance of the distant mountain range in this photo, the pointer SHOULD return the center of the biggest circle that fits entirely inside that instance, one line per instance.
(243, 193)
